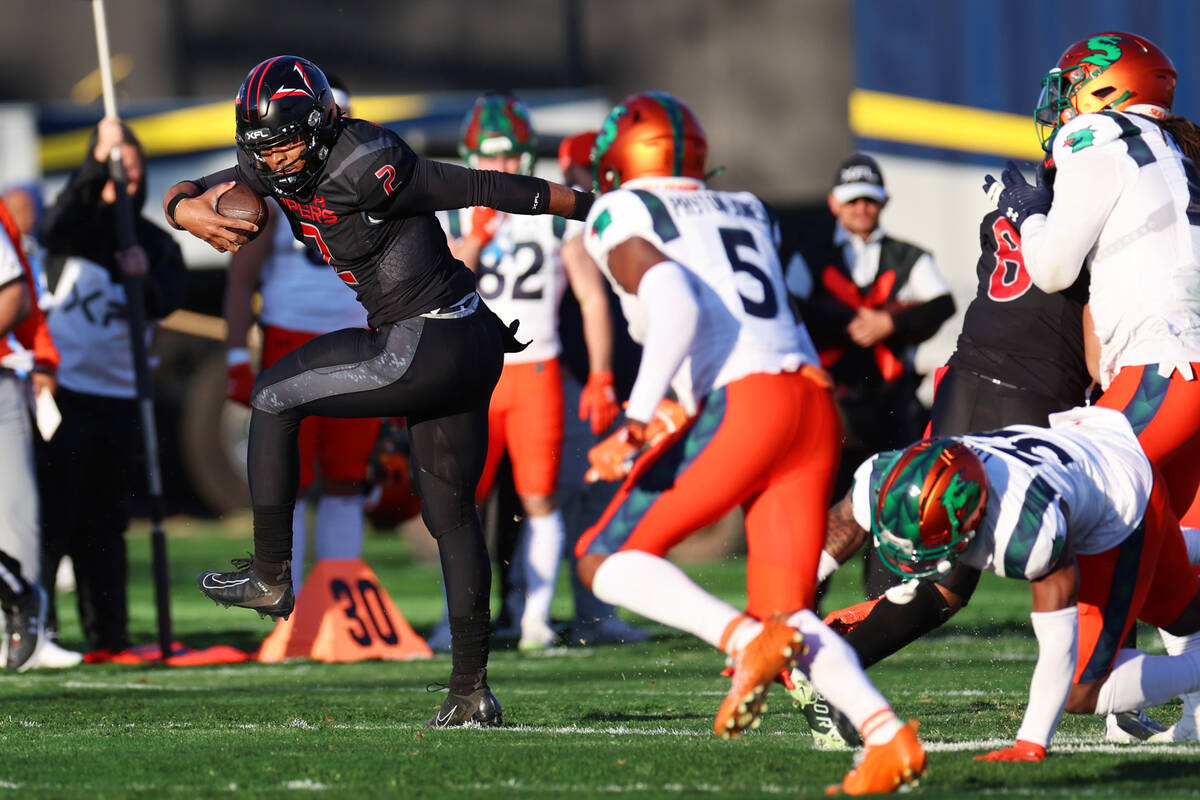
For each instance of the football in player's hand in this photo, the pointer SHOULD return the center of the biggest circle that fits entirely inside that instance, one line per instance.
(242, 202)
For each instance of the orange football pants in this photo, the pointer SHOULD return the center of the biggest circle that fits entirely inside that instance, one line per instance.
(341, 447)
(526, 419)
(1146, 577)
(1165, 415)
(767, 443)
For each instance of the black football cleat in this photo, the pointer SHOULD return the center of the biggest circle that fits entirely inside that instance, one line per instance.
(244, 588)
(479, 707)
(831, 730)
(25, 629)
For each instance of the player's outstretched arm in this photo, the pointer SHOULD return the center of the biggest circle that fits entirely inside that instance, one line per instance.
(1056, 625)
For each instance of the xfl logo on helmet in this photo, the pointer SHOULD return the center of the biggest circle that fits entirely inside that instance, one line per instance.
(256, 134)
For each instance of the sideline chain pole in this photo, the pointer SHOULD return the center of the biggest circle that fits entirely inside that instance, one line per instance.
(136, 315)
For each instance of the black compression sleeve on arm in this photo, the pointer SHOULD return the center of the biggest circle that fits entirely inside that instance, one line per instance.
(211, 180)
(437, 186)
(583, 204)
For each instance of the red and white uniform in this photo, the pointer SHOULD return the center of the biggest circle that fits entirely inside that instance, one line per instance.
(27, 345)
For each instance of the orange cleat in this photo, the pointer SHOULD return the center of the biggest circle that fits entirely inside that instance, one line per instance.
(886, 767)
(755, 668)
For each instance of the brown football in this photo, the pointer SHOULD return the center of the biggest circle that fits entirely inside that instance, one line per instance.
(242, 202)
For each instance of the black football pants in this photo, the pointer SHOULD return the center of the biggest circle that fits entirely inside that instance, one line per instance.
(439, 374)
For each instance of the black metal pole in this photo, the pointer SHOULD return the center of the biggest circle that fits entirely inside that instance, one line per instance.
(136, 316)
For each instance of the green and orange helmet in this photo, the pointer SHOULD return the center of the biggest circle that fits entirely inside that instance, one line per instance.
(1111, 70)
(650, 134)
(923, 517)
(498, 124)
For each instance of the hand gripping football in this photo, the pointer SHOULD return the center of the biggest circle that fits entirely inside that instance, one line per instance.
(242, 202)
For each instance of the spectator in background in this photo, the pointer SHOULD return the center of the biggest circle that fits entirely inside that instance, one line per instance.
(87, 471)
(301, 299)
(868, 299)
(524, 265)
(23, 646)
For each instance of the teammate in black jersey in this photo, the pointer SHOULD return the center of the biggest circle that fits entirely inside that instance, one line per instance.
(357, 194)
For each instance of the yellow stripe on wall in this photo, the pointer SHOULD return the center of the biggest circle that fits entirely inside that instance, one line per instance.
(896, 118)
(205, 127)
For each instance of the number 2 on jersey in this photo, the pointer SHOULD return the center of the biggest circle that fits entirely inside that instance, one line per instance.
(492, 280)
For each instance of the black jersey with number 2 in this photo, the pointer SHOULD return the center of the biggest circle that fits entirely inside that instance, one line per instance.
(370, 217)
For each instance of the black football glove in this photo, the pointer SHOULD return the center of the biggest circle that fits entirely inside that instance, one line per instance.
(1015, 196)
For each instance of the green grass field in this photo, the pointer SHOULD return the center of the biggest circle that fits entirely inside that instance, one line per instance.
(610, 721)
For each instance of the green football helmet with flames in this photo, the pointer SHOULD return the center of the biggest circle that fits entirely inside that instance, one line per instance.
(498, 124)
(925, 513)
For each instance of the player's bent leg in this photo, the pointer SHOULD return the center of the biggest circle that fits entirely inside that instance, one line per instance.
(893, 755)
(892, 625)
(655, 588)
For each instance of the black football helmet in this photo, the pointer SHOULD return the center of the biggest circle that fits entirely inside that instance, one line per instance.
(281, 99)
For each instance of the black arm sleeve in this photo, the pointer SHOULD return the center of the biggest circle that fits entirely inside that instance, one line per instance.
(438, 186)
(918, 323)
(223, 176)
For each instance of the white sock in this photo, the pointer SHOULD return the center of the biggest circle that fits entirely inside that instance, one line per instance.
(1138, 680)
(540, 551)
(1191, 537)
(834, 670)
(339, 527)
(657, 589)
(1178, 645)
(299, 543)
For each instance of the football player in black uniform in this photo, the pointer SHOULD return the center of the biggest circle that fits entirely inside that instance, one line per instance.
(356, 193)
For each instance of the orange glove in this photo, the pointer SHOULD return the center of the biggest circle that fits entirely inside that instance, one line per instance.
(845, 620)
(613, 458)
(240, 383)
(484, 223)
(1021, 751)
(598, 401)
(669, 417)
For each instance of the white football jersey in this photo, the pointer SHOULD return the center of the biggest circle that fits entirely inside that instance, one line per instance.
(521, 275)
(728, 243)
(299, 290)
(1127, 205)
(86, 316)
(1083, 481)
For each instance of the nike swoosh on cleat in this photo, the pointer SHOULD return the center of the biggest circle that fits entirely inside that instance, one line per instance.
(217, 583)
(441, 721)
